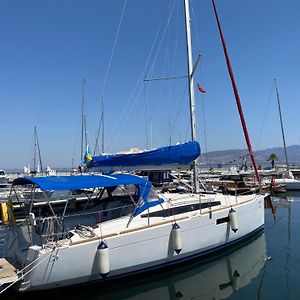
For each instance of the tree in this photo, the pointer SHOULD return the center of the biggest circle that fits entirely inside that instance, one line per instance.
(272, 158)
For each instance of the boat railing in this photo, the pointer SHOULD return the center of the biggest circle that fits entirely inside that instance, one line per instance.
(56, 227)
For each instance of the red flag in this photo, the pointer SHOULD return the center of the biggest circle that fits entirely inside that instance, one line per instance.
(200, 88)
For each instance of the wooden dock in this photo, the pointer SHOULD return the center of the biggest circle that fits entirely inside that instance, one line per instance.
(8, 273)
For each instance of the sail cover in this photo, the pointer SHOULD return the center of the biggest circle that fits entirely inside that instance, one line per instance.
(175, 155)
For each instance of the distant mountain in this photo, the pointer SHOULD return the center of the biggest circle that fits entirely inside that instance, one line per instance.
(228, 157)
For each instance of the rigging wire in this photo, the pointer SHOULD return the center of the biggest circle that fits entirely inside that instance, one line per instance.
(293, 126)
(146, 115)
(288, 118)
(204, 129)
(150, 66)
(101, 123)
(113, 49)
(265, 115)
(165, 67)
(138, 85)
(107, 73)
(173, 68)
(196, 32)
(179, 109)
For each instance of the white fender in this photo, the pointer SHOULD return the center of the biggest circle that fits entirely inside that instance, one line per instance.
(176, 238)
(233, 220)
(103, 259)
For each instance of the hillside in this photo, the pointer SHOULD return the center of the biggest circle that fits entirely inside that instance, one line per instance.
(227, 157)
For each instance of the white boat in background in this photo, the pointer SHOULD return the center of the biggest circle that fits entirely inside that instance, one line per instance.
(50, 172)
(285, 178)
(124, 227)
(37, 159)
(4, 180)
(287, 181)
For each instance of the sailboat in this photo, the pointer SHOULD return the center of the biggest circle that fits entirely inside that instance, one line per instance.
(129, 229)
(37, 159)
(287, 178)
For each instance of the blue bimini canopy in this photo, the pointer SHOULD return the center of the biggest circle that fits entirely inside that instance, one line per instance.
(61, 183)
(173, 155)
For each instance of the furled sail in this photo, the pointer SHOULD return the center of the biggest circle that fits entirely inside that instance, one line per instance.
(169, 157)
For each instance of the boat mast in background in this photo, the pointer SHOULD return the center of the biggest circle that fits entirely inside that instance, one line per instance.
(236, 94)
(101, 126)
(191, 87)
(102, 118)
(37, 151)
(82, 120)
(281, 124)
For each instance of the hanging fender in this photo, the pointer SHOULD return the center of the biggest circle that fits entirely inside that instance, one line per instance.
(176, 238)
(103, 259)
(233, 220)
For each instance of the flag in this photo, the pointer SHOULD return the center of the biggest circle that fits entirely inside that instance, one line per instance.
(88, 155)
(200, 88)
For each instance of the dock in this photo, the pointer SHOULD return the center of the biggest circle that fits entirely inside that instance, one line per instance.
(8, 273)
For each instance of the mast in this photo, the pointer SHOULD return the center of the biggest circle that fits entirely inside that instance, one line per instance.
(82, 120)
(85, 132)
(191, 86)
(34, 157)
(102, 117)
(281, 124)
(236, 94)
(37, 151)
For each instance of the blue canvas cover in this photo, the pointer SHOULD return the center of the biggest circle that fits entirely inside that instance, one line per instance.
(60, 183)
(52, 183)
(144, 191)
(181, 154)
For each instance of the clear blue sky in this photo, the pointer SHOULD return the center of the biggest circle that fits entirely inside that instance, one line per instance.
(48, 47)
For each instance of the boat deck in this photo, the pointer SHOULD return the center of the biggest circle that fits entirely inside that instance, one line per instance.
(8, 273)
(118, 227)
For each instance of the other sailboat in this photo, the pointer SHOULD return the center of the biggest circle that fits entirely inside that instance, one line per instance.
(287, 178)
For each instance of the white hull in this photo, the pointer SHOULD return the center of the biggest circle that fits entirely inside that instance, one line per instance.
(217, 279)
(140, 247)
(290, 184)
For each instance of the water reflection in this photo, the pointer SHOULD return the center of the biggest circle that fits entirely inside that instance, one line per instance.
(215, 278)
(285, 201)
(288, 195)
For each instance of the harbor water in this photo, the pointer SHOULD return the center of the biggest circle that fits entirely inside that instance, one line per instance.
(264, 267)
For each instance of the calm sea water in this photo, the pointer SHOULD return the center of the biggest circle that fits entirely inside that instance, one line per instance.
(266, 267)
